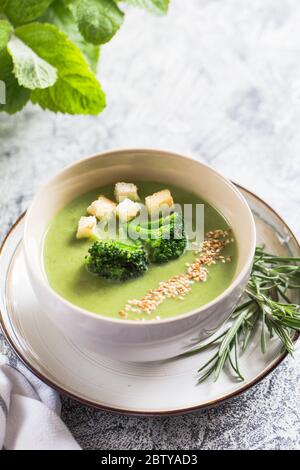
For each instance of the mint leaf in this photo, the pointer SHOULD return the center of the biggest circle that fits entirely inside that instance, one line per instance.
(5, 32)
(76, 90)
(15, 95)
(3, 4)
(74, 95)
(159, 7)
(30, 70)
(61, 15)
(24, 11)
(98, 20)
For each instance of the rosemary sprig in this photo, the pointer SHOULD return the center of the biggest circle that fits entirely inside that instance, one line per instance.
(267, 306)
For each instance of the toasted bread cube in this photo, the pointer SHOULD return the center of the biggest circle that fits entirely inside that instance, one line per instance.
(102, 208)
(158, 201)
(86, 227)
(126, 191)
(127, 210)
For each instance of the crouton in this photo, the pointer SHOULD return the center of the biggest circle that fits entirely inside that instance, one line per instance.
(159, 201)
(86, 227)
(126, 191)
(127, 210)
(102, 208)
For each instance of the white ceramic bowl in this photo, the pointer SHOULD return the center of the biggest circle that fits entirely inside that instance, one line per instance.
(123, 339)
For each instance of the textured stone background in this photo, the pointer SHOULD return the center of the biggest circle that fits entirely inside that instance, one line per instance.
(218, 79)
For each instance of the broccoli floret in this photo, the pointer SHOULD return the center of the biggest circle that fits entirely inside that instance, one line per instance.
(157, 242)
(164, 239)
(116, 260)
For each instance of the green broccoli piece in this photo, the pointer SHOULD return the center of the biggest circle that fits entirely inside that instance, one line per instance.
(116, 260)
(158, 242)
(164, 239)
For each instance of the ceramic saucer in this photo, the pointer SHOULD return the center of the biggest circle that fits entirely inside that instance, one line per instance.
(162, 388)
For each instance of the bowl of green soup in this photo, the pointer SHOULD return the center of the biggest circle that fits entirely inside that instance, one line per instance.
(135, 254)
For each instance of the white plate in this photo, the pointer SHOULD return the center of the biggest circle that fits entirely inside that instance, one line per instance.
(145, 389)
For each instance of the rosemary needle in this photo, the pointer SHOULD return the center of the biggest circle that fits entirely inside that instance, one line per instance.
(267, 306)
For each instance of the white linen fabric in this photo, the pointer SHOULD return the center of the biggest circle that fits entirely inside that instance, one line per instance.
(30, 412)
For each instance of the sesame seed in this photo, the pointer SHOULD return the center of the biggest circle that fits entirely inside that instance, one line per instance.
(180, 285)
(123, 314)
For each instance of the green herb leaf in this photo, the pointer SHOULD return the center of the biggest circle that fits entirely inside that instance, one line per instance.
(5, 32)
(270, 279)
(24, 11)
(98, 20)
(158, 7)
(3, 4)
(61, 16)
(76, 90)
(72, 95)
(15, 95)
(30, 70)
(231, 333)
(46, 63)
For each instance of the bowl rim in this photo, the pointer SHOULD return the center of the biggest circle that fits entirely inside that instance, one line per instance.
(44, 284)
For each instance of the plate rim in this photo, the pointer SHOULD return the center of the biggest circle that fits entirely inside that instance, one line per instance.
(121, 411)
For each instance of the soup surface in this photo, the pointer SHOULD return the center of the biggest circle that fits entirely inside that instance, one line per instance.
(64, 263)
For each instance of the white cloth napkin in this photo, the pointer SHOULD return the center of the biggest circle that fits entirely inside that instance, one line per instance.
(30, 412)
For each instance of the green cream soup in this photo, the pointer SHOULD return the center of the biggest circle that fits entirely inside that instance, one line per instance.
(67, 274)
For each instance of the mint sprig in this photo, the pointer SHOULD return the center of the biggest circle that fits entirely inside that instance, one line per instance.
(49, 50)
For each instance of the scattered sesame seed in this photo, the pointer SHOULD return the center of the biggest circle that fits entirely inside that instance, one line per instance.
(180, 285)
(123, 314)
